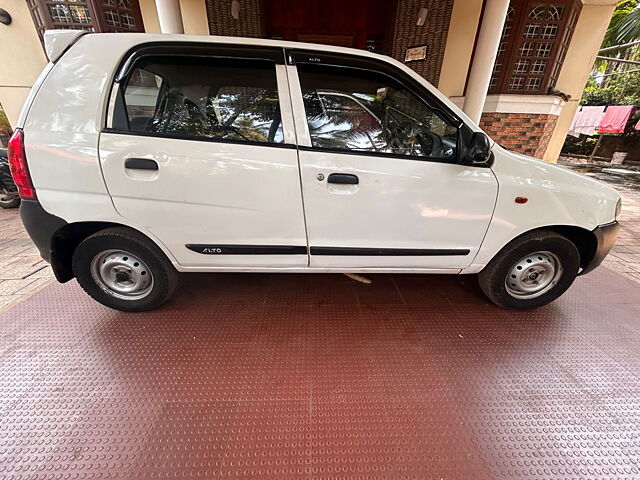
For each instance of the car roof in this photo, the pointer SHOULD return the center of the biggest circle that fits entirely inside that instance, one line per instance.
(259, 42)
(57, 41)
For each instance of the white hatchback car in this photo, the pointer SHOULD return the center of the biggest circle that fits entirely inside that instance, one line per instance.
(140, 156)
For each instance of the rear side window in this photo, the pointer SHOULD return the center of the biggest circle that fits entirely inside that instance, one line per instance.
(204, 97)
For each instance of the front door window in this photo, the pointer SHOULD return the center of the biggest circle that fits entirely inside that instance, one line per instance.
(348, 109)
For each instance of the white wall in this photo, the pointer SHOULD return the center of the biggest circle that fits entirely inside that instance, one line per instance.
(22, 57)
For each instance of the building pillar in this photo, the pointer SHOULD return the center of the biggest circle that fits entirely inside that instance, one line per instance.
(493, 19)
(458, 52)
(169, 16)
(194, 17)
(23, 58)
(587, 36)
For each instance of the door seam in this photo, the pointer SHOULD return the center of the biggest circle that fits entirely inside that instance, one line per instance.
(295, 133)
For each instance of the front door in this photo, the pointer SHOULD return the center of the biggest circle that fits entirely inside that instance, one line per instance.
(382, 185)
(202, 155)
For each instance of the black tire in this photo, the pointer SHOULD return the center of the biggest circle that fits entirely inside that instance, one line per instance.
(164, 276)
(9, 199)
(13, 203)
(493, 278)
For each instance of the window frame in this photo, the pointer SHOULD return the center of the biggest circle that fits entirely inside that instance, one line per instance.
(510, 56)
(351, 62)
(116, 119)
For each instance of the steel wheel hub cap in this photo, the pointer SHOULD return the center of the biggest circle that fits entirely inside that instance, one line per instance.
(533, 275)
(122, 274)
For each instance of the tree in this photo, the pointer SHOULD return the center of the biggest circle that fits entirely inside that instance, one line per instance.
(623, 89)
(624, 27)
(621, 82)
(614, 83)
(627, 29)
(619, 30)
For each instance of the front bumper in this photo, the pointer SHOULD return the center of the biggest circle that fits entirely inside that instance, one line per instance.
(606, 236)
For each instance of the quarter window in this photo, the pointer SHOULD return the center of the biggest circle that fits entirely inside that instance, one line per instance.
(348, 109)
(209, 98)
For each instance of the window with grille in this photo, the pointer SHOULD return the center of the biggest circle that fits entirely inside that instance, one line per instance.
(90, 15)
(533, 45)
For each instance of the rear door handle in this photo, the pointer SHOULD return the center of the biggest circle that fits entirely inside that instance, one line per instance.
(343, 179)
(140, 164)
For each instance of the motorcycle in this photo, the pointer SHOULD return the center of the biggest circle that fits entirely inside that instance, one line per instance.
(9, 197)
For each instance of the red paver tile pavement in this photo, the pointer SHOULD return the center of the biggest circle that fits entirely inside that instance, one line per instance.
(312, 376)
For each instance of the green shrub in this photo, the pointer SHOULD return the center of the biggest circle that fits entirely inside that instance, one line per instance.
(579, 146)
(5, 126)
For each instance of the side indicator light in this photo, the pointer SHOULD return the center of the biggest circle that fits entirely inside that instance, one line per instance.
(521, 200)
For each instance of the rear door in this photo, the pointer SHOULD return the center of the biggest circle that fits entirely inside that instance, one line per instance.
(379, 157)
(200, 150)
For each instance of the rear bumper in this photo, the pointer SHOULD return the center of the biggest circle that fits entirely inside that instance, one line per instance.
(40, 225)
(606, 236)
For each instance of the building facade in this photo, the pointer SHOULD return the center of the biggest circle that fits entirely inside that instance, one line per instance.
(516, 66)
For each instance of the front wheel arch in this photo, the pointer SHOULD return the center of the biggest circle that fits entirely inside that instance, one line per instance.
(67, 238)
(539, 284)
(584, 240)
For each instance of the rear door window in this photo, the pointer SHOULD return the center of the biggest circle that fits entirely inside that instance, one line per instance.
(141, 97)
(204, 98)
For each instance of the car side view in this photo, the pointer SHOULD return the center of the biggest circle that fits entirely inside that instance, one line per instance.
(138, 156)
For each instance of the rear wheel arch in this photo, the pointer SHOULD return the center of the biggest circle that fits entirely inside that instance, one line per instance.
(124, 269)
(67, 238)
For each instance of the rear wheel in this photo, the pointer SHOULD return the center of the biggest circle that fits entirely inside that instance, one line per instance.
(122, 269)
(531, 271)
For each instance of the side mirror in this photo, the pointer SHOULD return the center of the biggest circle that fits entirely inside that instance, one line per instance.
(479, 150)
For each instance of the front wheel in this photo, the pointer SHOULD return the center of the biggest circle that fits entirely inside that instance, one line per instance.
(124, 270)
(531, 271)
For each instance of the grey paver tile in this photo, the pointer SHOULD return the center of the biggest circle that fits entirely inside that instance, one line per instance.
(34, 284)
(21, 268)
(9, 287)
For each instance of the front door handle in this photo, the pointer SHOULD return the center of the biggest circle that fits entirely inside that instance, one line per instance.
(343, 179)
(140, 164)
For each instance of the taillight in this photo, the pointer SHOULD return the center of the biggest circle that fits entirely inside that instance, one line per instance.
(18, 165)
